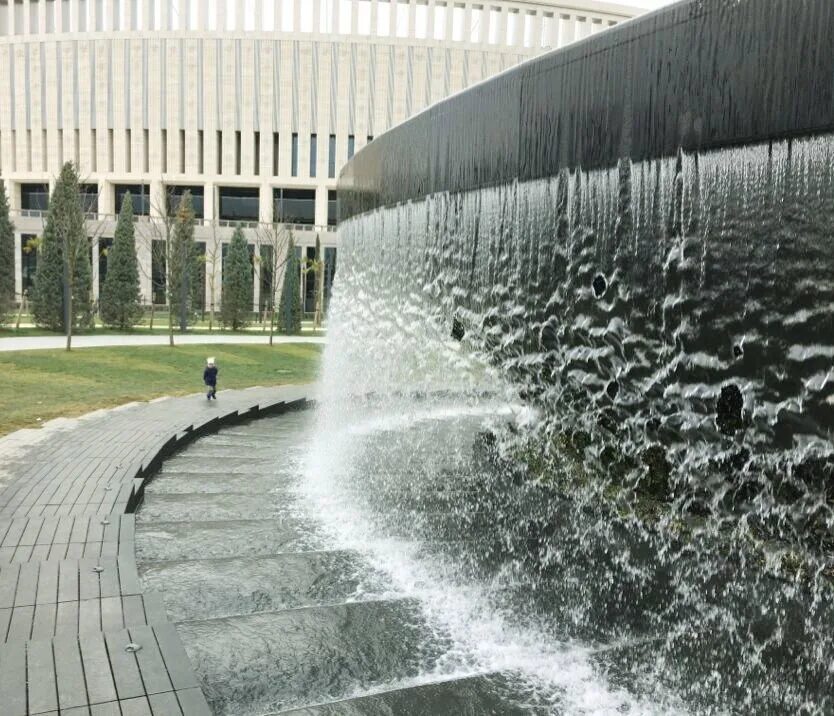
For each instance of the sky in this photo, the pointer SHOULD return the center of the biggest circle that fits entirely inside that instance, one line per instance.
(651, 4)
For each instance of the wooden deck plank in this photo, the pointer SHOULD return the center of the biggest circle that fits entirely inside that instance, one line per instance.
(151, 664)
(43, 625)
(193, 702)
(125, 668)
(13, 678)
(89, 584)
(176, 660)
(68, 581)
(69, 673)
(112, 617)
(108, 709)
(89, 616)
(136, 707)
(20, 626)
(133, 610)
(8, 585)
(40, 672)
(27, 585)
(47, 583)
(66, 618)
(97, 673)
(165, 704)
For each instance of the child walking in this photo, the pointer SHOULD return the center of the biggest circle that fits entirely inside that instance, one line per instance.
(210, 379)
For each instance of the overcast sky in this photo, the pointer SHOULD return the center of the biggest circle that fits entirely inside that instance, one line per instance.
(652, 4)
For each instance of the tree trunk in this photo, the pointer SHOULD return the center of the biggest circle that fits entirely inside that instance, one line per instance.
(272, 322)
(170, 325)
(153, 310)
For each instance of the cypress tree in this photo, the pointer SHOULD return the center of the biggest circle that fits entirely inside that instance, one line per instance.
(64, 252)
(289, 318)
(182, 263)
(236, 303)
(120, 302)
(6, 258)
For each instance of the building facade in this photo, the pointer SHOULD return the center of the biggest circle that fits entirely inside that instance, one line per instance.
(252, 105)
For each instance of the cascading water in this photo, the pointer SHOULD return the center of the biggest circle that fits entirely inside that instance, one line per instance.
(585, 422)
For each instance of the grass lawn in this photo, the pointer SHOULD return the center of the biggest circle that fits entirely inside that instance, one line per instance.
(44, 384)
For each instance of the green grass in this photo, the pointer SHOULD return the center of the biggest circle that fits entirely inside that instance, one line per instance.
(44, 384)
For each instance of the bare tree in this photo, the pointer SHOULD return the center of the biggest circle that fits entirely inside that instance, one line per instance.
(277, 238)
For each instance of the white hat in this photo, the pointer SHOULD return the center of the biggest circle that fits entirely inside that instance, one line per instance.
(210, 360)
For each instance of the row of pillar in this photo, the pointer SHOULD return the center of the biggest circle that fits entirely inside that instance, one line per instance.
(106, 15)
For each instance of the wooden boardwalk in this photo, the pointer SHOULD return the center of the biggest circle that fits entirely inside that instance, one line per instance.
(78, 636)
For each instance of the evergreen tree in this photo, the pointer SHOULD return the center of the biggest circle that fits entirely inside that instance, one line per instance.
(289, 319)
(182, 264)
(236, 304)
(6, 258)
(120, 301)
(64, 256)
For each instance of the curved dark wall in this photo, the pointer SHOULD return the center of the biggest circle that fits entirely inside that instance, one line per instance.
(701, 74)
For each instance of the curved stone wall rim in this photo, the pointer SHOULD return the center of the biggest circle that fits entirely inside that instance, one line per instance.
(794, 102)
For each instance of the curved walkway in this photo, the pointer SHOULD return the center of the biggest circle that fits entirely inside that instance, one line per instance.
(28, 343)
(77, 633)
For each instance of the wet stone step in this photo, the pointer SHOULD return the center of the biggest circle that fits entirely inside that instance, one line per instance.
(221, 465)
(212, 507)
(268, 662)
(233, 538)
(207, 589)
(467, 696)
(171, 483)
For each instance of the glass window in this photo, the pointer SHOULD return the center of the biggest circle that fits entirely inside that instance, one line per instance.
(332, 208)
(294, 168)
(295, 206)
(104, 246)
(314, 151)
(351, 146)
(175, 193)
(331, 157)
(29, 260)
(239, 203)
(329, 273)
(89, 198)
(34, 197)
(140, 197)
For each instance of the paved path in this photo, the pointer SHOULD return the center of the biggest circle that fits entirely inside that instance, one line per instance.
(27, 343)
(77, 633)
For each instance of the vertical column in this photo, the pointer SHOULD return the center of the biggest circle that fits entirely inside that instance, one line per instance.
(200, 16)
(335, 22)
(256, 283)
(566, 29)
(10, 28)
(265, 209)
(468, 36)
(26, 15)
(259, 16)
(165, 15)
(296, 16)
(372, 30)
(502, 26)
(73, 16)
(240, 15)
(535, 30)
(450, 25)
(278, 16)
(220, 9)
(94, 267)
(42, 10)
(354, 17)
(392, 19)
(112, 22)
(183, 12)
(412, 18)
(147, 15)
(432, 8)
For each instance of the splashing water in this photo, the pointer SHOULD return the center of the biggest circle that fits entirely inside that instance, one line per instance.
(586, 422)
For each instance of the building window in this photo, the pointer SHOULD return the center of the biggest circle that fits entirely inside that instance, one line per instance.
(275, 154)
(140, 197)
(104, 246)
(29, 260)
(331, 157)
(174, 194)
(295, 206)
(294, 171)
(332, 208)
(89, 198)
(239, 203)
(34, 197)
(158, 273)
(314, 154)
(329, 273)
(351, 146)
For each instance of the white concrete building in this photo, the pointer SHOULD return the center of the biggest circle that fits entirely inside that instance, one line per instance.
(254, 105)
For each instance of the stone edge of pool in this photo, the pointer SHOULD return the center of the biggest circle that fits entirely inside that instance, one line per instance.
(77, 633)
